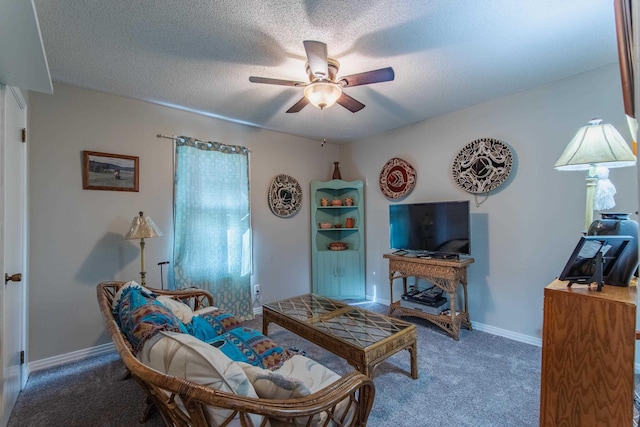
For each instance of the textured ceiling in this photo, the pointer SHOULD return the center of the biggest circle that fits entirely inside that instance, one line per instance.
(447, 54)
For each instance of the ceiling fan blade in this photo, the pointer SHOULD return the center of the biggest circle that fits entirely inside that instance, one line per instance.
(368, 77)
(349, 103)
(269, 81)
(298, 105)
(317, 57)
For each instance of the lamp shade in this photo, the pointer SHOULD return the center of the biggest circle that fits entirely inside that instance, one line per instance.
(322, 94)
(596, 144)
(142, 227)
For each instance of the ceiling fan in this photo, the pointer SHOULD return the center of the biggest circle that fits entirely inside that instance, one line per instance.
(323, 90)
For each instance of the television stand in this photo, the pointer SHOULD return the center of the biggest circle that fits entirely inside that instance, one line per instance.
(446, 274)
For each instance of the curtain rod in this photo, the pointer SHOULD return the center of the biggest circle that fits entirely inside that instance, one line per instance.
(175, 138)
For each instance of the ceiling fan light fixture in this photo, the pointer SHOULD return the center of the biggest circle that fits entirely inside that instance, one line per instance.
(322, 94)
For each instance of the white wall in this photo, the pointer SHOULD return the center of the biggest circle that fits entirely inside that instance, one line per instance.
(77, 235)
(522, 235)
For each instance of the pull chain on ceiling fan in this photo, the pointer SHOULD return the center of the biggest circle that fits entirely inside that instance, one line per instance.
(323, 90)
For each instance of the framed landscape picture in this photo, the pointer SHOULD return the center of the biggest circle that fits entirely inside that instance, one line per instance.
(114, 172)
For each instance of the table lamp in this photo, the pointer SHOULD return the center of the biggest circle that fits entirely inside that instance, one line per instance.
(593, 147)
(142, 228)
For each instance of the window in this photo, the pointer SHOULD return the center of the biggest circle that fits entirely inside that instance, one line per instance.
(212, 241)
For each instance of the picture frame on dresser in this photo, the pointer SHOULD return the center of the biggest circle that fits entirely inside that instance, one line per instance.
(110, 172)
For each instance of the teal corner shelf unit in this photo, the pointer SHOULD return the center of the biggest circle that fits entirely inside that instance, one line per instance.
(337, 274)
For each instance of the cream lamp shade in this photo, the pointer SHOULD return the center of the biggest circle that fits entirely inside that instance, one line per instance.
(595, 145)
(322, 94)
(142, 228)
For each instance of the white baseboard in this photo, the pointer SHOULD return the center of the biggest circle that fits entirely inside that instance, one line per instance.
(488, 329)
(74, 356)
(515, 336)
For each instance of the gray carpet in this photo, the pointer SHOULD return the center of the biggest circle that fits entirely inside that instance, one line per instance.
(481, 380)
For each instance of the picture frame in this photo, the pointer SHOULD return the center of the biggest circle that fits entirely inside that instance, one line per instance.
(110, 172)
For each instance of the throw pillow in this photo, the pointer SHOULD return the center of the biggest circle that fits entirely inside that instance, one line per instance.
(314, 375)
(184, 356)
(271, 385)
(180, 309)
(125, 288)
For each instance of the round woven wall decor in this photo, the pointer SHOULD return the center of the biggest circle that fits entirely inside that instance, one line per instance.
(397, 179)
(285, 196)
(482, 165)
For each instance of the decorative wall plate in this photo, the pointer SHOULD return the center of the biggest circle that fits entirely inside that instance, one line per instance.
(397, 179)
(285, 196)
(482, 165)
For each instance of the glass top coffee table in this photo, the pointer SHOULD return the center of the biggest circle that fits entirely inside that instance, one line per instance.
(361, 337)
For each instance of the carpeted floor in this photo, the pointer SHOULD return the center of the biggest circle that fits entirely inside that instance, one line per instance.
(480, 380)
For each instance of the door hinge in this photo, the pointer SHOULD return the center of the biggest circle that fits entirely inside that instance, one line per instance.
(22, 357)
(24, 135)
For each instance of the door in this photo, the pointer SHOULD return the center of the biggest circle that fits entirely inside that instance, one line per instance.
(14, 208)
(338, 274)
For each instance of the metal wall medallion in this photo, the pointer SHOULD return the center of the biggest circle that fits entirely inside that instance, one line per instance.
(482, 165)
(397, 179)
(285, 196)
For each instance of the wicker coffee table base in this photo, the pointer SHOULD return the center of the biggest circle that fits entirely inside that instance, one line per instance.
(363, 358)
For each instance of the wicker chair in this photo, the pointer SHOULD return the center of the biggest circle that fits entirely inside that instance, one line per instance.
(183, 403)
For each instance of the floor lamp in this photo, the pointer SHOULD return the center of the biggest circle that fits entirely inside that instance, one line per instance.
(142, 228)
(595, 145)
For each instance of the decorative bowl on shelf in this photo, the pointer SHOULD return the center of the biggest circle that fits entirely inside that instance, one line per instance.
(336, 202)
(338, 246)
(337, 226)
(325, 225)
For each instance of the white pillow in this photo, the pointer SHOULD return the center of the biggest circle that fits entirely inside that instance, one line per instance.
(181, 310)
(184, 356)
(272, 385)
(203, 310)
(315, 377)
(131, 284)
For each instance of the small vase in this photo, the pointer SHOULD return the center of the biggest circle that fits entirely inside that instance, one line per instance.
(336, 171)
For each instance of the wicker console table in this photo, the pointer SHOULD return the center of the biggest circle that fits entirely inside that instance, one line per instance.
(446, 275)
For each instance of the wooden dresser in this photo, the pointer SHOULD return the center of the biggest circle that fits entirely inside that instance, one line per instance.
(588, 342)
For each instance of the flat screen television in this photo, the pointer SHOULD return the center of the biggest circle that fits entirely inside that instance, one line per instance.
(433, 228)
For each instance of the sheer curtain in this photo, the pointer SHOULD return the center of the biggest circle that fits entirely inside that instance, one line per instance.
(212, 241)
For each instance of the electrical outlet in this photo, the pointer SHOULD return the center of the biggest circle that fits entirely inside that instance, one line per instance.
(257, 298)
